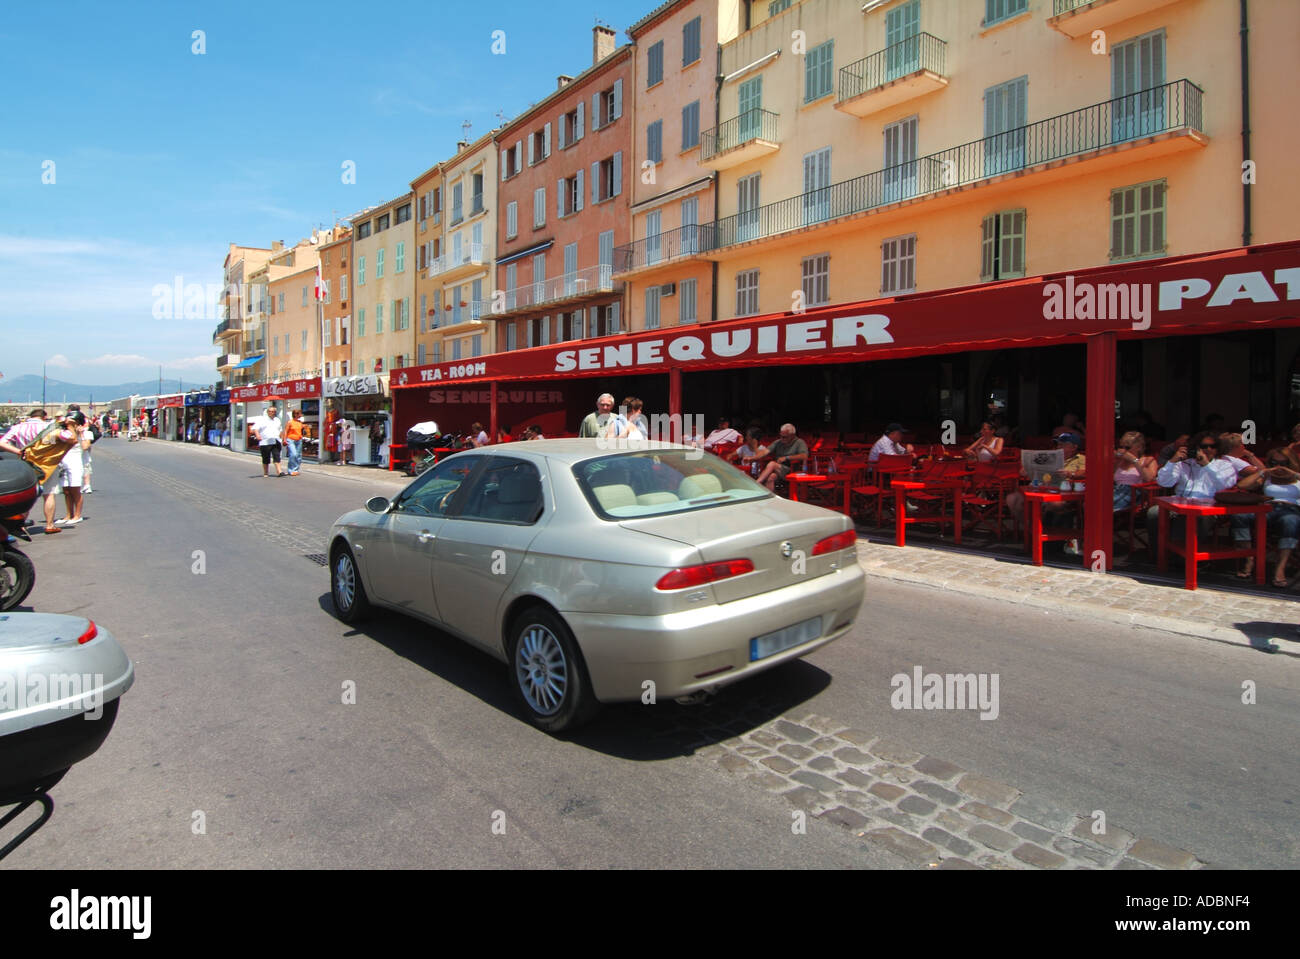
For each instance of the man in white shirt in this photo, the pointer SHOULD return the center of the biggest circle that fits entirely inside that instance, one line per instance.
(723, 434)
(1198, 478)
(267, 429)
(891, 443)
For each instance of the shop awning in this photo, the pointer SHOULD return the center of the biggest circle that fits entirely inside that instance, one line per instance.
(249, 362)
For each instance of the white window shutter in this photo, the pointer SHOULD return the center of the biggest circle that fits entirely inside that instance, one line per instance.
(531, 159)
(595, 183)
(559, 198)
(504, 152)
(614, 321)
(577, 133)
(546, 141)
(519, 154)
(618, 173)
(618, 98)
(559, 126)
(581, 189)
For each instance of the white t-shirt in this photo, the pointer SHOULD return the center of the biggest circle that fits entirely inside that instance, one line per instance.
(887, 447)
(721, 436)
(268, 430)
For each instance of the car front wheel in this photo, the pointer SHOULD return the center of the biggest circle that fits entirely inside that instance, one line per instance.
(549, 675)
(349, 596)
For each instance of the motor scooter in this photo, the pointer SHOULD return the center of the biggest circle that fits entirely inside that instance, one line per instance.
(19, 489)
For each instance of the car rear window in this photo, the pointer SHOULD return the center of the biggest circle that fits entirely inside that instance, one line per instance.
(655, 483)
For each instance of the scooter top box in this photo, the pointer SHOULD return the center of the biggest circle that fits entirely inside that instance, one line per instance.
(18, 483)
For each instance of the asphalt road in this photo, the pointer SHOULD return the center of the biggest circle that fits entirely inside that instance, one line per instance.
(238, 715)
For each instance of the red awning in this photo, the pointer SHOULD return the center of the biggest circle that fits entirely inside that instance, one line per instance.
(1202, 293)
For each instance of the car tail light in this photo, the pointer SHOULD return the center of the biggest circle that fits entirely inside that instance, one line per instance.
(91, 632)
(689, 576)
(835, 543)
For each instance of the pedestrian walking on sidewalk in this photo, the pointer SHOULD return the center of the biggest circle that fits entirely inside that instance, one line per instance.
(345, 427)
(268, 430)
(293, 442)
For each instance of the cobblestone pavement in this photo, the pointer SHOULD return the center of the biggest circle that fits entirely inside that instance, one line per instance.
(1226, 615)
(922, 808)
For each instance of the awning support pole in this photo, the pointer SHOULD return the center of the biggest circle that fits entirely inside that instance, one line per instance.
(1099, 493)
(675, 403)
(493, 432)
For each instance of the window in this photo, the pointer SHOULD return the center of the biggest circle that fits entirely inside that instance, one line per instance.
(281, 302)
(690, 126)
(607, 106)
(343, 288)
(571, 125)
(1137, 74)
(605, 319)
(539, 207)
(571, 269)
(403, 213)
(438, 491)
(512, 160)
(606, 258)
(404, 305)
(275, 346)
(343, 331)
(539, 277)
(304, 339)
(361, 271)
(343, 368)
(817, 280)
(539, 145)
(400, 257)
(655, 142)
(653, 240)
(569, 194)
(900, 174)
(1137, 221)
(747, 293)
(476, 194)
(902, 43)
(654, 65)
(457, 206)
(1002, 251)
(512, 337)
(818, 72)
(326, 284)
(476, 345)
(419, 354)
(686, 299)
(747, 203)
(1006, 113)
(363, 230)
(776, 6)
(607, 178)
(381, 222)
(476, 299)
(424, 316)
(379, 318)
(690, 224)
(652, 307)
(817, 186)
(691, 42)
(512, 283)
(361, 322)
(379, 263)
(512, 220)
(898, 265)
(304, 296)
(457, 314)
(995, 10)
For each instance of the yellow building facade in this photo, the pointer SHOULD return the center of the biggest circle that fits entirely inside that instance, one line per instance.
(383, 286)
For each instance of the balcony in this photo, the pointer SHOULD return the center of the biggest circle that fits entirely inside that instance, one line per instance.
(449, 265)
(664, 250)
(751, 135)
(457, 215)
(1078, 18)
(1151, 123)
(461, 317)
(571, 286)
(902, 71)
(476, 204)
(227, 361)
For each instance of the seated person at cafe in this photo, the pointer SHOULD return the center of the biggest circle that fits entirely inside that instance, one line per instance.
(1056, 514)
(1169, 449)
(1234, 451)
(1194, 471)
(1069, 424)
(788, 453)
(1279, 479)
(1132, 468)
(752, 450)
(723, 434)
(533, 433)
(987, 446)
(891, 443)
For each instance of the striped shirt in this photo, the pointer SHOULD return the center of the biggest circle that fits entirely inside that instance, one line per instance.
(23, 434)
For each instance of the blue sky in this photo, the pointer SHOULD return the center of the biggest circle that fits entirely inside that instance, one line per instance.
(161, 157)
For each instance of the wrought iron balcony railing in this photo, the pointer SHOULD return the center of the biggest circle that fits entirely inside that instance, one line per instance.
(684, 241)
(593, 279)
(471, 254)
(919, 52)
(1161, 109)
(754, 124)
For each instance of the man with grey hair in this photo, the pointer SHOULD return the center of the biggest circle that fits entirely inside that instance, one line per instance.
(787, 453)
(596, 423)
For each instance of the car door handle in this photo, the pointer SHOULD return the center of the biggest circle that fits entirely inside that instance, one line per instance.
(425, 536)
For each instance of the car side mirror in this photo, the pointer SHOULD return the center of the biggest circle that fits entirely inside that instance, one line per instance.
(378, 504)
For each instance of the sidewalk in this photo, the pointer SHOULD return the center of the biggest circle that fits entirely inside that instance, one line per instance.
(357, 474)
(1236, 616)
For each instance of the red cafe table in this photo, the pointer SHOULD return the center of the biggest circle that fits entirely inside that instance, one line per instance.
(1035, 497)
(901, 487)
(1193, 509)
(830, 490)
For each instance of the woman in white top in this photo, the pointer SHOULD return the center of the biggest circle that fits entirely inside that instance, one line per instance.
(1280, 479)
(987, 447)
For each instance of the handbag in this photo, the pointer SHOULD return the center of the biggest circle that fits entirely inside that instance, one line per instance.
(1240, 497)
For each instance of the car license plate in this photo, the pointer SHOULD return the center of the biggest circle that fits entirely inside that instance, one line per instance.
(760, 647)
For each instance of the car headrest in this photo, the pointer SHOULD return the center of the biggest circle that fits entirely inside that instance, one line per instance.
(521, 487)
(699, 484)
(614, 496)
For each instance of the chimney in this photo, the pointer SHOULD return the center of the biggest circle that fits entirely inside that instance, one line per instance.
(562, 81)
(462, 145)
(277, 246)
(602, 43)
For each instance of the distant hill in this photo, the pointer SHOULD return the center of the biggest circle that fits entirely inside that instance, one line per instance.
(20, 389)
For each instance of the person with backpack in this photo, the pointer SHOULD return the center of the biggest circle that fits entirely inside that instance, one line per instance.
(44, 445)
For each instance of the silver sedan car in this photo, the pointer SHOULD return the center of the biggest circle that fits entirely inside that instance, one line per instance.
(602, 575)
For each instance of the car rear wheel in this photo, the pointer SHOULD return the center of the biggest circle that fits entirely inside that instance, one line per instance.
(549, 674)
(350, 601)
